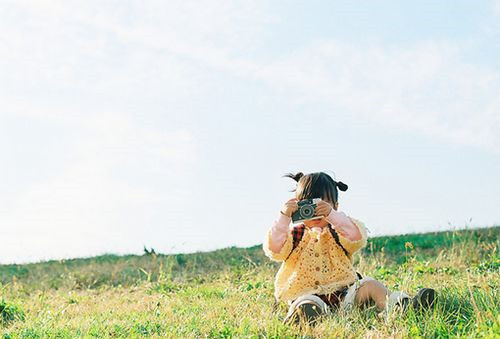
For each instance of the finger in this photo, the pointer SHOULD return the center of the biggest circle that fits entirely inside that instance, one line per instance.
(325, 204)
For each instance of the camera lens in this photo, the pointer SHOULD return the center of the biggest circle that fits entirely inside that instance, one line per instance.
(306, 211)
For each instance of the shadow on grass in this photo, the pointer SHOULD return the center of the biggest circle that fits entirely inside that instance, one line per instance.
(9, 313)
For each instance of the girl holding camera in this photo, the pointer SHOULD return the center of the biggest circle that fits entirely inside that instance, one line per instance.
(317, 274)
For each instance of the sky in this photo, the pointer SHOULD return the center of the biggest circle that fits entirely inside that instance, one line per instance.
(169, 124)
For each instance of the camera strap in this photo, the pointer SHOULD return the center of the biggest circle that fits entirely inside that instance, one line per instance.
(298, 233)
(336, 237)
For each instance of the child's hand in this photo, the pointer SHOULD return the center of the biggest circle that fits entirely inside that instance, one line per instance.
(323, 208)
(290, 207)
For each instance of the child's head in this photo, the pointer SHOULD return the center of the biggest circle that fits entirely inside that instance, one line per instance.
(317, 185)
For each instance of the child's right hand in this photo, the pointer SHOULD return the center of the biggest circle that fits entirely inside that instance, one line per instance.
(290, 207)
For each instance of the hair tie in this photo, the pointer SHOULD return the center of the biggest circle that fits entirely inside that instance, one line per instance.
(343, 187)
(298, 176)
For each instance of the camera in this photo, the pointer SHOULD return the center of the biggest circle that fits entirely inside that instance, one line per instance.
(305, 211)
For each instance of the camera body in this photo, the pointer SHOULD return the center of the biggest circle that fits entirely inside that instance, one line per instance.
(306, 210)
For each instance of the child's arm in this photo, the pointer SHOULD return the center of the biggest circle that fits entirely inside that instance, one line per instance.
(352, 232)
(279, 233)
(279, 240)
(344, 225)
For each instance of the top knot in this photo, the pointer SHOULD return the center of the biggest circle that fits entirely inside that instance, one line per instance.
(295, 177)
(341, 186)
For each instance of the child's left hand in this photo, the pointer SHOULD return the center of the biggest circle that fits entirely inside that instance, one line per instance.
(323, 208)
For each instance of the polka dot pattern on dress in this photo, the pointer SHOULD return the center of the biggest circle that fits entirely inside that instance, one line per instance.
(318, 263)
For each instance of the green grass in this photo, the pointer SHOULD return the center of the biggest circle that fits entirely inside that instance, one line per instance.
(229, 293)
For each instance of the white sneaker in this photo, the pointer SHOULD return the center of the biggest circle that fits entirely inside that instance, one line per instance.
(398, 301)
(306, 308)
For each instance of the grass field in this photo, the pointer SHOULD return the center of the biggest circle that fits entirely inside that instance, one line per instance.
(229, 293)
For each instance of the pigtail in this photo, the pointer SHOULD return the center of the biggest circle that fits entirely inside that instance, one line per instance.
(295, 177)
(341, 186)
(316, 185)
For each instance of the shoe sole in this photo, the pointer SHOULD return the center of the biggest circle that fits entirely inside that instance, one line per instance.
(307, 311)
(424, 299)
(310, 311)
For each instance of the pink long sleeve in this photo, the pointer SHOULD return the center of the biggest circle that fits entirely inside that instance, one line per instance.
(341, 222)
(279, 233)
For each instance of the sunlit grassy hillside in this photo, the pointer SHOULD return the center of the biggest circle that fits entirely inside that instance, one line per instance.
(229, 293)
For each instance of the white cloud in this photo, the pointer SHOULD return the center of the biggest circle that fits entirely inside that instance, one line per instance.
(425, 88)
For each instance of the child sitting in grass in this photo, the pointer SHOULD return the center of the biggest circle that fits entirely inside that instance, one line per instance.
(317, 273)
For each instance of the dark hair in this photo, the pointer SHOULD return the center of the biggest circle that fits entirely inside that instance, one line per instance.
(317, 185)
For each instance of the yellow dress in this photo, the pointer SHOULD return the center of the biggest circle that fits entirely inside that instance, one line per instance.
(318, 265)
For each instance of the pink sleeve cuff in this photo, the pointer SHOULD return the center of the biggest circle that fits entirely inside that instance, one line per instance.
(338, 219)
(279, 232)
(341, 220)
